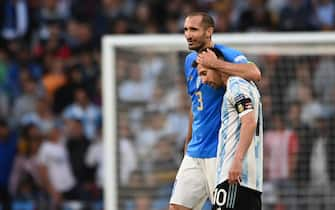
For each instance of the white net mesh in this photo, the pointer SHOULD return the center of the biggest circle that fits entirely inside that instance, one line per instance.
(298, 94)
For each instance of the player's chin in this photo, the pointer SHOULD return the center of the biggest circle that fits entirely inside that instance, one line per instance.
(213, 85)
(193, 47)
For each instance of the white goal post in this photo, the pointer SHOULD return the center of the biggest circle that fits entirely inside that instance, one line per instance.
(252, 43)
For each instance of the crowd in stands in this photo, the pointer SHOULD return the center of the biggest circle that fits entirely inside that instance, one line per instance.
(51, 116)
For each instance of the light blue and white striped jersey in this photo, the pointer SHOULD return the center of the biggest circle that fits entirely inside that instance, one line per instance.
(237, 90)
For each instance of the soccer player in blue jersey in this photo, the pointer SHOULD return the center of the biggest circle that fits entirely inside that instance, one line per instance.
(195, 180)
(239, 172)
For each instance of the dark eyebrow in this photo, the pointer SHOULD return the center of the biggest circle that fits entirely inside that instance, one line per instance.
(191, 28)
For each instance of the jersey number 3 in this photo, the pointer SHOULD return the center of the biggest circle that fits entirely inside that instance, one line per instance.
(200, 101)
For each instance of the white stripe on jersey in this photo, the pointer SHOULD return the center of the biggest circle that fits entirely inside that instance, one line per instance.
(229, 135)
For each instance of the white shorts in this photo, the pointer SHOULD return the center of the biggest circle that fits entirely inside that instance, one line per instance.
(195, 182)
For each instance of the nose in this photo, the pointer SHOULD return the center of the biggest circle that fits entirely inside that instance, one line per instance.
(187, 35)
(204, 79)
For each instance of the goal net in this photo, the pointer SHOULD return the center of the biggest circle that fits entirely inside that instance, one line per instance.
(146, 117)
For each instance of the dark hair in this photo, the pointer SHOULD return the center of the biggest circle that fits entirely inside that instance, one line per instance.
(217, 52)
(207, 20)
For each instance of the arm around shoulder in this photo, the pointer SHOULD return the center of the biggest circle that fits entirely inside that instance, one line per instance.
(248, 71)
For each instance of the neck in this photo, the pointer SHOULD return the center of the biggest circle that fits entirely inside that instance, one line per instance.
(224, 78)
(207, 45)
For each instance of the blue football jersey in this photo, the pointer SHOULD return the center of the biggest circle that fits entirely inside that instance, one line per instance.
(206, 105)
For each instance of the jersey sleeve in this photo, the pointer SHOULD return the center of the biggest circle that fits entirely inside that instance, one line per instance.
(239, 96)
(234, 56)
(187, 69)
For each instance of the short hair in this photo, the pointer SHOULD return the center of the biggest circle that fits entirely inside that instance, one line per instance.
(207, 20)
(217, 52)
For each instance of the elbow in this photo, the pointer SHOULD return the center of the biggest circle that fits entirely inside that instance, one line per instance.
(258, 74)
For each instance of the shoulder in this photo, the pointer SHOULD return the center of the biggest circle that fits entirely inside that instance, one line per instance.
(237, 86)
(44, 149)
(234, 82)
(190, 57)
(232, 54)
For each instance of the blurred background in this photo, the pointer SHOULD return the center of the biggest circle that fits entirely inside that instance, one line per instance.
(50, 102)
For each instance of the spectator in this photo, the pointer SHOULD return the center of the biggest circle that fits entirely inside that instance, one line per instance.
(177, 121)
(324, 79)
(224, 15)
(276, 5)
(135, 89)
(164, 162)
(256, 17)
(22, 61)
(141, 202)
(4, 104)
(25, 180)
(51, 10)
(55, 170)
(82, 108)
(80, 34)
(142, 17)
(88, 67)
(311, 108)
(324, 13)
(85, 8)
(154, 126)
(77, 146)
(16, 19)
(317, 165)
(157, 101)
(3, 65)
(64, 95)
(128, 153)
(42, 117)
(25, 103)
(52, 42)
(94, 160)
(138, 184)
(290, 18)
(55, 76)
(302, 78)
(281, 147)
(8, 141)
(280, 144)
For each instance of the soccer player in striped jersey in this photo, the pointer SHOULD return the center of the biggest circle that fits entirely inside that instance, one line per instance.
(239, 171)
(195, 180)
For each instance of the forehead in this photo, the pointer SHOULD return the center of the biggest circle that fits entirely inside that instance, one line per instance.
(202, 70)
(194, 21)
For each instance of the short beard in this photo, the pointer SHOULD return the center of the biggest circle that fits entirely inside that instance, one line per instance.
(199, 48)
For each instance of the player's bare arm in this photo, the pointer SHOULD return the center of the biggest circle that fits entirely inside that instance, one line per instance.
(248, 127)
(189, 131)
(248, 71)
